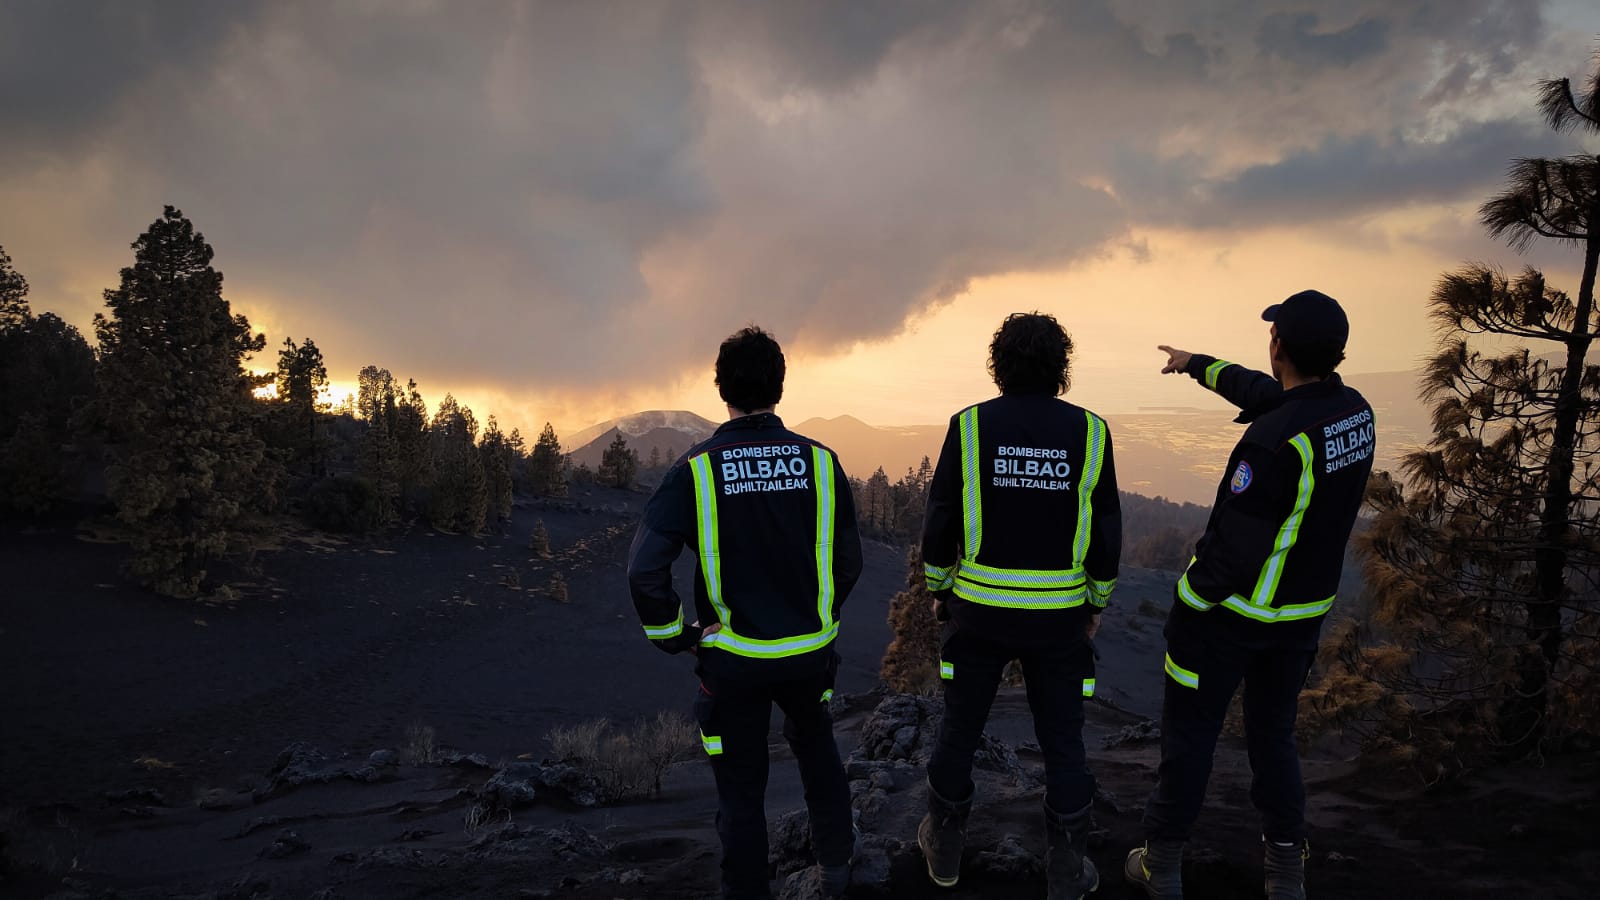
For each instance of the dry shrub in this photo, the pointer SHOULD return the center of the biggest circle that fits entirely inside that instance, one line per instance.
(911, 664)
(557, 589)
(628, 762)
(420, 747)
(539, 541)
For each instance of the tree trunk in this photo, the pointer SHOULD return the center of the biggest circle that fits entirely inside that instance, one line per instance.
(1526, 720)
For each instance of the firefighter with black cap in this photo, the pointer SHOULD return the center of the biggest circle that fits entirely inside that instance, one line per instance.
(1264, 575)
(769, 515)
(1021, 544)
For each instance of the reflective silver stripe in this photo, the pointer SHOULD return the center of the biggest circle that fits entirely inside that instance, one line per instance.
(1100, 591)
(1214, 371)
(770, 649)
(1181, 675)
(993, 596)
(822, 467)
(1286, 613)
(947, 670)
(1187, 594)
(1088, 687)
(712, 743)
(705, 503)
(672, 630)
(971, 496)
(1289, 533)
(940, 578)
(1093, 457)
(1022, 578)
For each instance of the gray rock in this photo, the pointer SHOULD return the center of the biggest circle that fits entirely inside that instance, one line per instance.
(572, 784)
(1133, 735)
(301, 764)
(135, 797)
(805, 884)
(288, 843)
(458, 760)
(513, 787)
(382, 758)
(1011, 861)
(871, 873)
(789, 842)
(905, 727)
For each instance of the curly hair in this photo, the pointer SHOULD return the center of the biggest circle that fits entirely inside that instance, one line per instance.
(750, 370)
(1031, 354)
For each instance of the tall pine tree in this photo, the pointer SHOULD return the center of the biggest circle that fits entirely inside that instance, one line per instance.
(175, 398)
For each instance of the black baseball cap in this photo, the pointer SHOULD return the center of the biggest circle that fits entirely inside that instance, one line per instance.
(1309, 317)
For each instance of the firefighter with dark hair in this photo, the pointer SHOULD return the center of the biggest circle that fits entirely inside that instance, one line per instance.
(1021, 545)
(1250, 606)
(770, 518)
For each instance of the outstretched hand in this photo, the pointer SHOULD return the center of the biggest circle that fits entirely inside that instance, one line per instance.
(1177, 360)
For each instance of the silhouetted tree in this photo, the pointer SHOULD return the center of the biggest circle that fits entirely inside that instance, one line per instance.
(1484, 566)
(378, 459)
(618, 464)
(13, 294)
(301, 378)
(496, 455)
(459, 492)
(176, 400)
(547, 468)
(539, 541)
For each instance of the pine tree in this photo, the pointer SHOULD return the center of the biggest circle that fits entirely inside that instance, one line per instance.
(547, 468)
(46, 375)
(539, 541)
(176, 400)
(13, 294)
(459, 490)
(378, 458)
(300, 379)
(496, 455)
(1485, 560)
(618, 464)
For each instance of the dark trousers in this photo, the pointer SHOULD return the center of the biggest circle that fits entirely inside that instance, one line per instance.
(734, 716)
(1208, 654)
(1056, 679)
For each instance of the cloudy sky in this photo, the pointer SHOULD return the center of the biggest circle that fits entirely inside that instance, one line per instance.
(556, 210)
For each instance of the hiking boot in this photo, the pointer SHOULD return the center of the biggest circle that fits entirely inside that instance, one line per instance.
(1158, 868)
(1286, 870)
(836, 879)
(1068, 871)
(941, 836)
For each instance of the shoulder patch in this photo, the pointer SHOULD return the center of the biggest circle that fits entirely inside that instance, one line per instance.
(1241, 478)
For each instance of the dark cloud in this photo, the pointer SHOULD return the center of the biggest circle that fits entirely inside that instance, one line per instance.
(1297, 37)
(580, 194)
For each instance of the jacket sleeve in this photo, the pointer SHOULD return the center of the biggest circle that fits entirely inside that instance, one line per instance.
(1231, 557)
(1244, 388)
(1105, 532)
(941, 525)
(846, 540)
(668, 526)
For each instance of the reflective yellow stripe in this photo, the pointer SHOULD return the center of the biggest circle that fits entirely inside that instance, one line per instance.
(971, 496)
(974, 592)
(822, 468)
(758, 648)
(712, 743)
(1181, 675)
(939, 578)
(1289, 533)
(1187, 594)
(1289, 612)
(1021, 578)
(660, 632)
(705, 507)
(1088, 687)
(1214, 371)
(827, 695)
(1100, 591)
(1093, 457)
(947, 670)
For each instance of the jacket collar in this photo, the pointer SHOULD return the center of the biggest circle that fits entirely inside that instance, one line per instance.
(1327, 387)
(751, 422)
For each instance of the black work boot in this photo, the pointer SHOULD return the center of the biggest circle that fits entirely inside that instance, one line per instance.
(1158, 868)
(1068, 871)
(941, 836)
(1286, 870)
